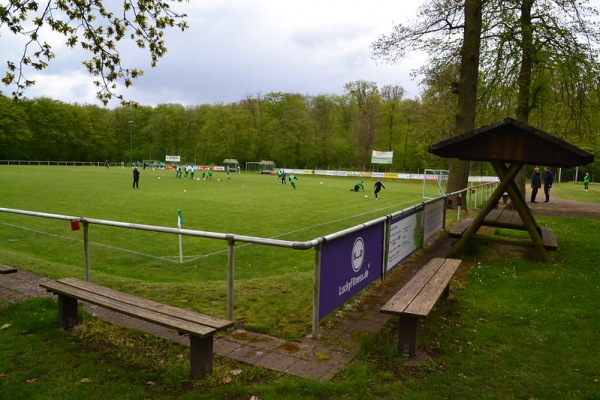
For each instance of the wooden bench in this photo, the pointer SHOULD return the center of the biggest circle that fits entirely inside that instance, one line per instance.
(5, 269)
(507, 219)
(200, 328)
(417, 297)
(457, 230)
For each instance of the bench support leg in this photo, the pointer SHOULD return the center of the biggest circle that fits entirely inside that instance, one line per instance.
(67, 311)
(408, 335)
(201, 356)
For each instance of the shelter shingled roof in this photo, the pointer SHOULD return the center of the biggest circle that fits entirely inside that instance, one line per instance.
(510, 140)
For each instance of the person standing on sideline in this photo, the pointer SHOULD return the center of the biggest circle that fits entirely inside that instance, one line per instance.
(548, 180)
(586, 181)
(378, 185)
(358, 186)
(293, 180)
(536, 183)
(136, 178)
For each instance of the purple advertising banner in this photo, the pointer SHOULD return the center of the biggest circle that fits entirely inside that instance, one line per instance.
(348, 265)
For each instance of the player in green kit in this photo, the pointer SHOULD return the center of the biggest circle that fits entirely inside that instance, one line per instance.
(293, 180)
(586, 181)
(358, 187)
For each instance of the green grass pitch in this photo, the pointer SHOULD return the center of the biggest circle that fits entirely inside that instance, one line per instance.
(146, 262)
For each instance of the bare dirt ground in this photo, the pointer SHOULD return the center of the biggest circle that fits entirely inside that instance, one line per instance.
(566, 208)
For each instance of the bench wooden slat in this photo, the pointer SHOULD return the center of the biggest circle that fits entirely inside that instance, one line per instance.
(457, 230)
(180, 325)
(516, 219)
(181, 313)
(493, 215)
(5, 269)
(401, 300)
(549, 239)
(426, 299)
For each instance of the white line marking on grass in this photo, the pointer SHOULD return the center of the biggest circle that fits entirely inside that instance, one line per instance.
(337, 220)
(175, 259)
(91, 243)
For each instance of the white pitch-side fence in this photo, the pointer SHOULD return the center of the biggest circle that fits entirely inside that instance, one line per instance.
(232, 239)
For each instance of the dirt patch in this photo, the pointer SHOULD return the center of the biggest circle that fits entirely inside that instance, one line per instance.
(569, 208)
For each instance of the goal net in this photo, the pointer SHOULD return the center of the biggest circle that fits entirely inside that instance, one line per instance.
(260, 166)
(435, 182)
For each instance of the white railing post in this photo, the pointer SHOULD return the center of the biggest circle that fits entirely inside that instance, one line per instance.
(86, 250)
(230, 275)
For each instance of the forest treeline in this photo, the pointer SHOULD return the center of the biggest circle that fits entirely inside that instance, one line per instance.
(293, 130)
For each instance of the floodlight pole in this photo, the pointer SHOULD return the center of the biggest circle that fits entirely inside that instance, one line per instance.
(130, 142)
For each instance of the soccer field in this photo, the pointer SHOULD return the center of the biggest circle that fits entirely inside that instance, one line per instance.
(247, 204)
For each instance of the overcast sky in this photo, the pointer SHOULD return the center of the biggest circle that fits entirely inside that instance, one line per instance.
(239, 48)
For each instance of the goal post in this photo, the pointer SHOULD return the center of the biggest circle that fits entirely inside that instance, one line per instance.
(252, 166)
(260, 166)
(435, 182)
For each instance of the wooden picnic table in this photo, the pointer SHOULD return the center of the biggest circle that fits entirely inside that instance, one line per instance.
(509, 145)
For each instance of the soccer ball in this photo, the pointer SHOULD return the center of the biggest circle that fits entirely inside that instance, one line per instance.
(366, 195)
(219, 180)
(321, 183)
(184, 190)
(159, 177)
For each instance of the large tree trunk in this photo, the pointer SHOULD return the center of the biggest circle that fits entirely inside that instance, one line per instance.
(467, 88)
(525, 71)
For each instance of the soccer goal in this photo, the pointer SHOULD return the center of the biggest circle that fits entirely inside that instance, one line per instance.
(150, 163)
(260, 166)
(435, 182)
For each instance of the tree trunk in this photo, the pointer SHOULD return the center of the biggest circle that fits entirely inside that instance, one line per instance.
(467, 88)
(525, 71)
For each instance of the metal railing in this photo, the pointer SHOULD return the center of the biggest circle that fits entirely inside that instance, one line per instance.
(231, 240)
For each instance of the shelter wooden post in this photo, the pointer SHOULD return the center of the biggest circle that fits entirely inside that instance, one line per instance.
(488, 206)
(519, 204)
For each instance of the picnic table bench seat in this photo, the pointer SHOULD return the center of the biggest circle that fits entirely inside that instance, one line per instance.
(200, 328)
(5, 269)
(507, 219)
(417, 297)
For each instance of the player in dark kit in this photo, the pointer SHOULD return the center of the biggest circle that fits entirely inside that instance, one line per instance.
(378, 185)
(136, 178)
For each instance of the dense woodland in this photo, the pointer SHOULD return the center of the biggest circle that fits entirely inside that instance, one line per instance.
(293, 130)
(533, 60)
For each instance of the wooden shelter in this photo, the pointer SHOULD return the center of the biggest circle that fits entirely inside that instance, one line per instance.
(232, 163)
(509, 145)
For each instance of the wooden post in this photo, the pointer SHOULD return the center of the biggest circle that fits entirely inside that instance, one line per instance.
(408, 335)
(201, 356)
(67, 311)
(489, 205)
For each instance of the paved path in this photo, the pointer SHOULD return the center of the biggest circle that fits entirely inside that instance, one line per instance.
(319, 359)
